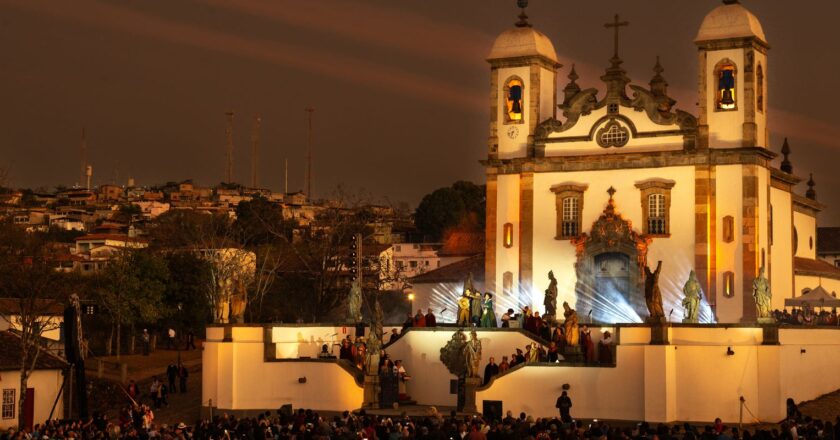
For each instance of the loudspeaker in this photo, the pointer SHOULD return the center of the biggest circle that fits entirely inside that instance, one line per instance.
(492, 410)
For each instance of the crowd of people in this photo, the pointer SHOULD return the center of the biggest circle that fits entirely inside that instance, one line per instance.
(138, 423)
(806, 316)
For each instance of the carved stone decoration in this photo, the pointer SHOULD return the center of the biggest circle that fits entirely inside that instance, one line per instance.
(610, 234)
(452, 354)
(612, 134)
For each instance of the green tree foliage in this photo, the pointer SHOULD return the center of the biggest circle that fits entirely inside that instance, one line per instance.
(460, 206)
(187, 277)
(259, 222)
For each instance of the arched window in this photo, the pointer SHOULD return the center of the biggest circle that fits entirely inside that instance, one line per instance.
(726, 75)
(759, 88)
(514, 94)
(571, 217)
(656, 214)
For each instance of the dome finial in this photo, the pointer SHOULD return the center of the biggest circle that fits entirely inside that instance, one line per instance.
(786, 165)
(523, 17)
(811, 193)
(658, 85)
(572, 88)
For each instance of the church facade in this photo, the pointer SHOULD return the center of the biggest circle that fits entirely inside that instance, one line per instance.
(595, 184)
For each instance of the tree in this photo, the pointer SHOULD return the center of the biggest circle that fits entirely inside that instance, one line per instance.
(28, 278)
(187, 276)
(131, 289)
(461, 205)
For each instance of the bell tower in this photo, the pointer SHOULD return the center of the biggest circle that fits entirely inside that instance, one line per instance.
(523, 72)
(733, 79)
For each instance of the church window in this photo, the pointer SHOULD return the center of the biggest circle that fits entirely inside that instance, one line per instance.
(759, 85)
(728, 229)
(729, 284)
(571, 217)
(656, 214)
(612, 135)
(770, 226)
(656, 206)
(514, 98)
(508, 235)
(726, 74)
(569, 205)
(507, 283)
(795, 241)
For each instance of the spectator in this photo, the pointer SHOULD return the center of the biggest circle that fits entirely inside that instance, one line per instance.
(506, 317)
(146, 342)
(490, 370)
(504, 365)
(171, 374)
(170, 338)
(394, 335)
(183, 373)
(564, 404)
(419, 319)
(431, 321)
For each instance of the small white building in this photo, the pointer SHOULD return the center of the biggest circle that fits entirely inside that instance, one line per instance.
(43, 387)
(412, 259)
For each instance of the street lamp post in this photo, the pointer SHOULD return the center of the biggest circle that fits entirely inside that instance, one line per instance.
(411, 303)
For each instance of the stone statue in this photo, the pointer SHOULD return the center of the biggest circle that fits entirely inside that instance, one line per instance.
(452, 354)
(571, 325)
(653, 296)
(550, 301)
(762, 296)
(472, 354)
(374, 343)
(691, 302)
(354, 303)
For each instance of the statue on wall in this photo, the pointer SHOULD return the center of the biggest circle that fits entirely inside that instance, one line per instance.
(762, 296)
(374, 343)
(472, 354)
(354, 303)
(691, 302)
(653, 296)
(570, 325)
(550, 301)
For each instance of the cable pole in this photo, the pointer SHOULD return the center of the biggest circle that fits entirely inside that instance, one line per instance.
(229, 148)
(255, 142)
(309, 111)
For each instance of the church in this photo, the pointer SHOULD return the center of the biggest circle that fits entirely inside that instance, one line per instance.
(595, 184)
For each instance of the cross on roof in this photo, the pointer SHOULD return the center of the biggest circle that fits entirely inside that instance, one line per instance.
(616, 24)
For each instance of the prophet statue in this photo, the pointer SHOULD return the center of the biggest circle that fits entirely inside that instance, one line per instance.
(472, 354)
(762, 295)
(653, 296)
(550, 301)
(691, 302)
(570, 325)
(354, 303)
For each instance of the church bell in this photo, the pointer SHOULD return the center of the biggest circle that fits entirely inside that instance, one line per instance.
(727, 100)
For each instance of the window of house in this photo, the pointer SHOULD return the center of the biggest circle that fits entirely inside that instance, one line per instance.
(759, 85)
(726, 81)
(8, 410)
(728, 229)
(427, 263)
(729, 284)
(656, 205)
(413, 264)
(400, 264)
(398, 248)
(507, 283)
(514, 92)
(569, 205)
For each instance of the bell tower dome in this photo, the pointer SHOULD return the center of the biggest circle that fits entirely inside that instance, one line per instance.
(523, 66)
(733, 78)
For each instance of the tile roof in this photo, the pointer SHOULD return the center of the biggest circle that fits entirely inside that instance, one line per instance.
(455, 272)
(10, 355)
(462, 243)
(819, 268)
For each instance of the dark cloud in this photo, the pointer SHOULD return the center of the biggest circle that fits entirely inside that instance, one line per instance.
(400, 87)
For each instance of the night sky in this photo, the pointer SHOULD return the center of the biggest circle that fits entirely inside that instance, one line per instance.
(400, 87)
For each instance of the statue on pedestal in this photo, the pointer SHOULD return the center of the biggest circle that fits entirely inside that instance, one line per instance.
(653, 296)
(571, 325)
(550, 301)
(354, 303)
(452, 354)
(472, 355)
(691, 302)
(762, 296)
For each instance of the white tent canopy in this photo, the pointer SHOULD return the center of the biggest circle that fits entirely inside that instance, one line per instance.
(817, 297)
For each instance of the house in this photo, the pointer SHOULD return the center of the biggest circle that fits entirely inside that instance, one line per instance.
(43, 387)
(412, 259)
(51, 316)
(828, 245)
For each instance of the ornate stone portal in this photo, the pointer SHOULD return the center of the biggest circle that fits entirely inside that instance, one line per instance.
(609, 269)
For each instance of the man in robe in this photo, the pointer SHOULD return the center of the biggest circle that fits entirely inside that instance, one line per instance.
(492, 369)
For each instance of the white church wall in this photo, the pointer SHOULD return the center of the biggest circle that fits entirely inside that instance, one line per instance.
(507, 211)
(781, 248)
(441, 296)
(802, 282)
(726, 129)
(608, 393)
(676, 251)
(548, 101)
(420, 352)
(806, 232)
(729, 256)
(516, 147)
